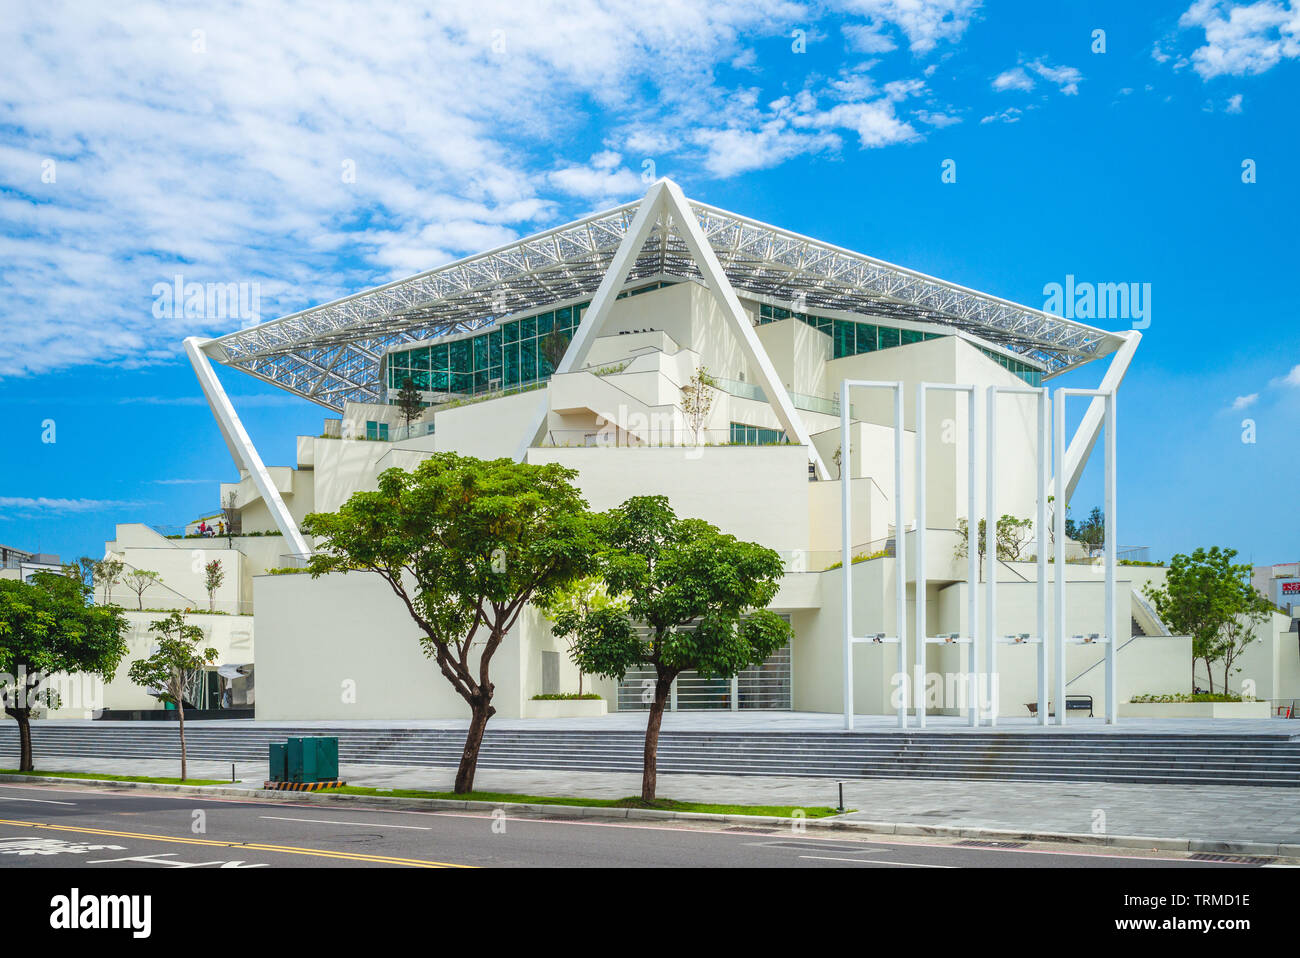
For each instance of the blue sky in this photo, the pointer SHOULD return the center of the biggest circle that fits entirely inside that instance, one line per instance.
(215, 141)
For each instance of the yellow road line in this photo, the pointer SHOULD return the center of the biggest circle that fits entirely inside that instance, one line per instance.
(255, 846)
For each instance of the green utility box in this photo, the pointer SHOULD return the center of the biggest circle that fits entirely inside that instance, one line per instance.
(279, 762)
(312, 759)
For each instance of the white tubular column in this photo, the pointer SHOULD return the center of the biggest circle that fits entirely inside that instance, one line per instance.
(1044, 472)
(1058, 520)
(1039, 637)
(900, 554)
(241, 447)
(972, 555)
(918, 691)
(1110, 552)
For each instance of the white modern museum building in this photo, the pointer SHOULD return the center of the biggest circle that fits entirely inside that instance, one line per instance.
(580, 345)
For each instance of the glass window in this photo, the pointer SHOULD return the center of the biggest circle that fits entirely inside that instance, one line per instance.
(912, 336)
(511, 332)
(527, 327)
(888, 337)
(845, 339)
(545, 323)
(866, 338)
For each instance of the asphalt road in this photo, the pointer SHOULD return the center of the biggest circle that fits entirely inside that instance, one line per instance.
(87, 827)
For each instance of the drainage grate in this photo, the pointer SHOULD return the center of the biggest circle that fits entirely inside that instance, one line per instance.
(978, 843)
(1231, 859)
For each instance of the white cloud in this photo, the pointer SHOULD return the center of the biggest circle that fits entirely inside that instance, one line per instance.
(926, 23)
(316, 152)
(1243, 38)
(1233, 104)
(1290, 379)
(1009, 115)
(43, 504)
(1014, 79)
(603, 178)
(1244, 402)
(1066, 78)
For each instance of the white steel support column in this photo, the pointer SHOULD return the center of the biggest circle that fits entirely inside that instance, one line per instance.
(900, 551)
(1110, 552)
(918, 680)
(241, 447)
(991, 548)
(923, 639)
(1111, 555)
(1040, 637)
(1085, 437)
(1058, 520)
(1043, 537)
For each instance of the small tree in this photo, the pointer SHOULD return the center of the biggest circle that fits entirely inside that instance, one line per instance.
(213, 576)
(139, 581)
(697, 400)
(230, 513)
(554, 345)
(409, 403)
(1091, 531)
(108, 573)
(1011, 536)
(465, 545)
(583, 598)
(1201, 595)
(1253, 610)
(173, 667)
(47, 626)
(86, 570)
(700, 594)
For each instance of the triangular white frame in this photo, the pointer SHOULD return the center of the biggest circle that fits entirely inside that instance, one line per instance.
(664, 201)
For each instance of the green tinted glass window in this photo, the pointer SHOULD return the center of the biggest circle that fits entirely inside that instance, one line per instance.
(888, 337)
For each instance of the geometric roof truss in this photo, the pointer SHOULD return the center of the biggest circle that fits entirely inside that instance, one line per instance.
(330, 354)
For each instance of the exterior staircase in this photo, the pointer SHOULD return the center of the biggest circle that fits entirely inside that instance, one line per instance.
(1150, 758)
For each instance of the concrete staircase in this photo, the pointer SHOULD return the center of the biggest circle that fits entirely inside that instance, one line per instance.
(1191, 759)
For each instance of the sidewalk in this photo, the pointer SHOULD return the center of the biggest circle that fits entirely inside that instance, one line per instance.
(1208, 813)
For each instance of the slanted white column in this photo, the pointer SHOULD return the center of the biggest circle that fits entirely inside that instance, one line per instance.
(242, 450)
(1085, 437)
(665, 201)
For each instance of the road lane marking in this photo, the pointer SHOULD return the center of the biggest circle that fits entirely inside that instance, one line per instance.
(874, 861)
(250, 846)
(322, 821)
(40, 801)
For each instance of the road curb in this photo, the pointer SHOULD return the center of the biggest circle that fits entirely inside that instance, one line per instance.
(834, 823)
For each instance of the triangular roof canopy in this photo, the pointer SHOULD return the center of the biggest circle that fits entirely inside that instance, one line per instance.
(330, 354)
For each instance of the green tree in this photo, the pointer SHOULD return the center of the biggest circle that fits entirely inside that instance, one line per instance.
(701, 596)
(48, 626)
(697, 400)
(1011, 536)
(465, 545)
(1201, 595)
(582, 598)
(553, 346)
(173, 667)
(139, 581)
(409, 403)
(213, 576)
(1091, 531)
(108, 573)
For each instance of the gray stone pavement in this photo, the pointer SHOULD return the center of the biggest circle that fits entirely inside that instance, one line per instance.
(726, 721)
(1214, 813)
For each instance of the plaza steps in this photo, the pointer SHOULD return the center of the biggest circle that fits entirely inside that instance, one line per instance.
(1048, 756)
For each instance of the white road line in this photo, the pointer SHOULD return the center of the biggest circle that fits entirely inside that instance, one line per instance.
(874, 861)
(322, 821)
(39, 801)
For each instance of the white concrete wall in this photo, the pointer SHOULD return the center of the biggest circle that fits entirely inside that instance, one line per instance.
(344, 647)
(230, 635)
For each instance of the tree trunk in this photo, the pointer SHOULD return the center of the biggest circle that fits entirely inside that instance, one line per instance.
(650, 759)
(24, 717)
(1209, 674)
(480, 712)
(180, 717)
